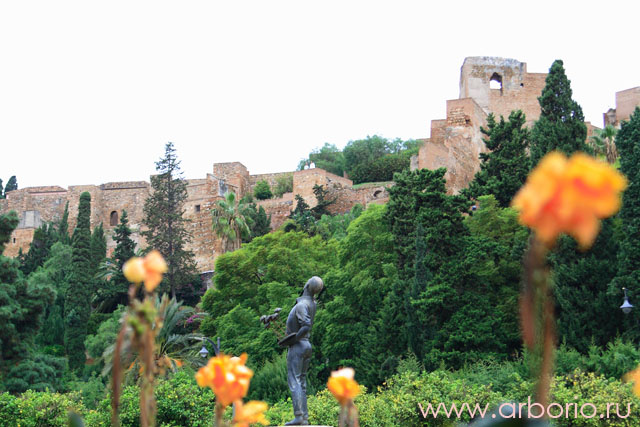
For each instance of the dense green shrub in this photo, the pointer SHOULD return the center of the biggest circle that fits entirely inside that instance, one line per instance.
(36, 409)
(270, 381)
(582, 388)
(180, 402)
(262, 190)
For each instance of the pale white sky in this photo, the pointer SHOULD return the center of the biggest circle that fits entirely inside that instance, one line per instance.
(91, 91)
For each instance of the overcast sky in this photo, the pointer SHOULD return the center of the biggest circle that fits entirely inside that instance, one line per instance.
(91, 91)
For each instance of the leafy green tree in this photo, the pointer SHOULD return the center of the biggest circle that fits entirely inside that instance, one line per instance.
(167, 228)
(628, 265)
(230, 222)
(262, 190)
(335, 226)
(327, 157)
(77, 301)
(376, 158)
(504, 169)
(266, 273)
(347, 331)
(561, 123)
(12, 184)
(1, 190)
(284, 184)
(22, 303)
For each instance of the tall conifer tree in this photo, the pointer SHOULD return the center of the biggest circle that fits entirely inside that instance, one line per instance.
(63, 226)
(77, 308)
(12, 184)
(505, 167)
(166, 226)
(561, 123)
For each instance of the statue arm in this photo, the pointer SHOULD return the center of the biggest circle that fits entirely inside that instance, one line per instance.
(302, 331)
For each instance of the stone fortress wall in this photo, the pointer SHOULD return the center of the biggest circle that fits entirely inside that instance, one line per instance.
(37, 205)
(487, 85)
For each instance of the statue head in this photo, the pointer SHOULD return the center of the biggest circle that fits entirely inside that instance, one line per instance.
(313, 286)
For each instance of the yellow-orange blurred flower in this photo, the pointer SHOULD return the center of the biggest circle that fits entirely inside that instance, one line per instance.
(569, 196)
(634, 376)
(148, 270)
(154, 266)
(134, 270)
(250, 413)
(342, 385)
(227, 376)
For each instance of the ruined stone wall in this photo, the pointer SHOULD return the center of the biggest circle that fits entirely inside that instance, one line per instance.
(459, 146)
(305, 180)
(34, 206)
(279, 209)
(202, 195)
(518, 90)
(234, 175)
(626, 103)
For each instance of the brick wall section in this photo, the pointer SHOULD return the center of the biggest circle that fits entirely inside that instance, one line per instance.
(626, 103)
(234, 174)
(459, 147)
(279, 209)
(520, 89)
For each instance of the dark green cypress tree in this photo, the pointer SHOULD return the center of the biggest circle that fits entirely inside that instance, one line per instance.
(43, 238)
(628, 265)
(98, 247)
(77, 308)
(561, 123)
(63, 226)
(1, 190)
(167, 229)
(505, 167)
(421, 197)
(12, 184)
(262, 224)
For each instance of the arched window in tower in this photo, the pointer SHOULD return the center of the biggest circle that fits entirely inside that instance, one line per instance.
(113, 219)
(495, 82)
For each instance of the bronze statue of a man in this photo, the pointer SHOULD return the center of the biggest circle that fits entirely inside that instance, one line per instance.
(299, 323)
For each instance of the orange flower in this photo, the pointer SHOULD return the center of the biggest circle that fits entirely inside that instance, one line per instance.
(249, 413)
(227, 376)
(634, 376)
(342, 385)
(569, 196)
(148, 270)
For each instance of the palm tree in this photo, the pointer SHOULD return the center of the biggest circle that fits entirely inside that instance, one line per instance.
(173, 347)
(603, 143)
(229, 221)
